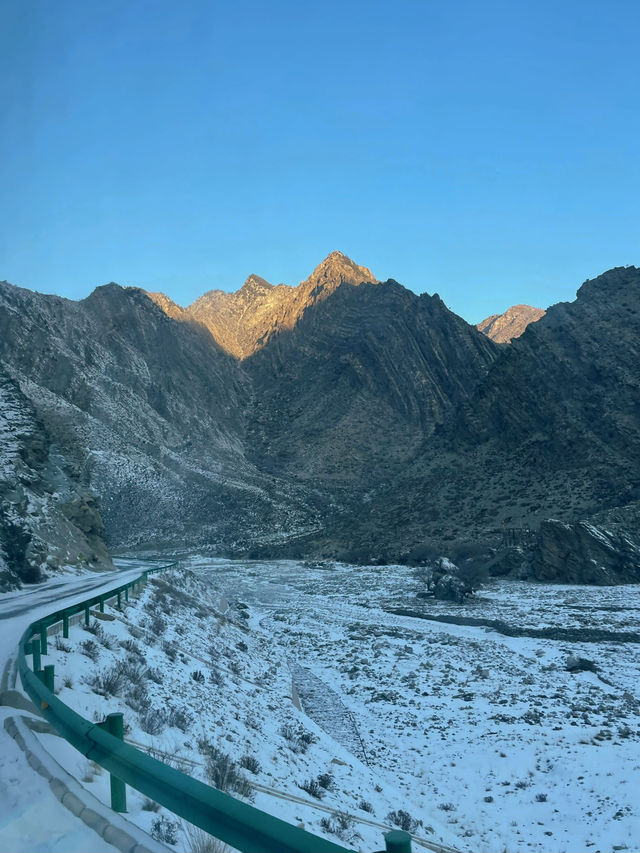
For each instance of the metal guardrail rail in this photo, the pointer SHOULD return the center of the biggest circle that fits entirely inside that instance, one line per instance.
(236, 823)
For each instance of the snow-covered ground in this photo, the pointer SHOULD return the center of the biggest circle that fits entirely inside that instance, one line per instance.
(475, 739)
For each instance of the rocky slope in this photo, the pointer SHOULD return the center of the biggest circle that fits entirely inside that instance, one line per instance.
(148, 413)
(503, 328)
(48, 516)
(553, 430)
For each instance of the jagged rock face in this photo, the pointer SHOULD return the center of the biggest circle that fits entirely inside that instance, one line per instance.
(47, 516)
(243, 322)
(583, 553)
(503, 328)
(349, 392)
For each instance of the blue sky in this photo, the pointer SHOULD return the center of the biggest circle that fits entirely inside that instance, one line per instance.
(489, 152)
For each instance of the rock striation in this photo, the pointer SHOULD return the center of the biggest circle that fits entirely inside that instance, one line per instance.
(350, 393)
(585, 554)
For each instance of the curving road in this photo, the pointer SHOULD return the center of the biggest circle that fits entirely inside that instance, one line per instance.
(31, 818)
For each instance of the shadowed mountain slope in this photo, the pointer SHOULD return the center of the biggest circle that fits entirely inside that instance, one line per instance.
(350, 392)
(552, 430)
(145, 411)
(352, 417)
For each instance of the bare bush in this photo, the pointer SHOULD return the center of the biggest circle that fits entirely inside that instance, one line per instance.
(133, 649)
(179, 718)
(200, 841)
(250, 763)
(165, 830)
(312, 787)
(170, 650)
(90, 649)
(403, 820)
(341, 825)
(222, 771)
(61, 646)
(152, 721)
(298, 739)
(108, 683)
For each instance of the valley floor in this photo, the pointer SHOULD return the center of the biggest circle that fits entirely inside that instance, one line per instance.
(474, 739)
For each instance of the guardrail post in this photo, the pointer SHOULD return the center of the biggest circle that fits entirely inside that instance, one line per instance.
(43, 639)
(115, 726)
(49, 677)
(65, 626)
(397, 841)
(87, 616)
(119, 599)
(101, 605)
(35, 651)
(126, 593)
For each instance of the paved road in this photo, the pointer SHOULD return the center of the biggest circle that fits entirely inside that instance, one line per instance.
(31, 818)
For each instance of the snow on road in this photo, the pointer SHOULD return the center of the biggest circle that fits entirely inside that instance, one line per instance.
(31, 818)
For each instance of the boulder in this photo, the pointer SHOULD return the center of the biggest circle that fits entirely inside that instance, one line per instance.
(449, 588)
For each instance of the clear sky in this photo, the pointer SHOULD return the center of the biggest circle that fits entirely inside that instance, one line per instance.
(487, 151)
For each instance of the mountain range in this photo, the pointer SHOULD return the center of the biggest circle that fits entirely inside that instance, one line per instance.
(345, 417)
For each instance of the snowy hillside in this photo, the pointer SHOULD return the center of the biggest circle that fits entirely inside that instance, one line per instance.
(470, 738)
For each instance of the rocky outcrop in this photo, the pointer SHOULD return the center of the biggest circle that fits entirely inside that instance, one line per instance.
(585, 554)
(503, 328)
(37, 490)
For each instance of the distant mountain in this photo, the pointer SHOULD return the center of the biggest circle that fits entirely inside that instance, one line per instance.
(243, 322)
(503, 328)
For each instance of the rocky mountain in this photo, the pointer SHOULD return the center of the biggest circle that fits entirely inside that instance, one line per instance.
(244, 321)
(343, 417)
(146, 413)
(552, 430)
(352, 390)
(503, 328)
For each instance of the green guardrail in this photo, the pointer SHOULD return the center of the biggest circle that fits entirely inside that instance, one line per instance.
(236, 823)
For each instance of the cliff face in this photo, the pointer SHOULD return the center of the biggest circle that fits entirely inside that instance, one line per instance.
(503, 328)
